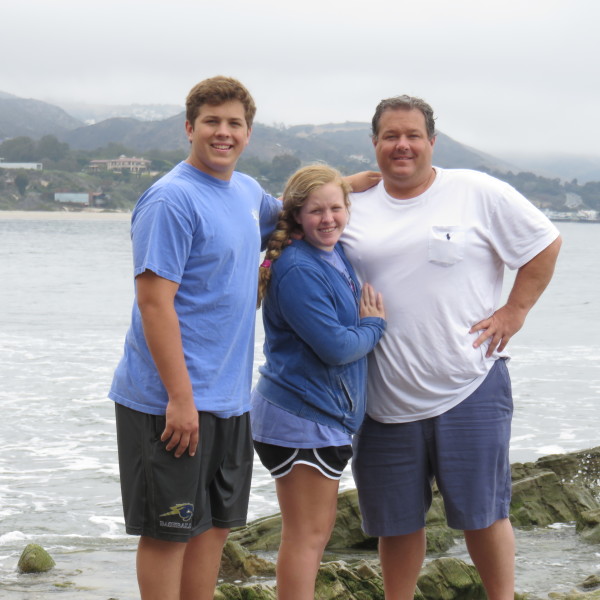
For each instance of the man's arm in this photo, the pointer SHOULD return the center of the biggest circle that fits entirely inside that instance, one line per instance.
(360, 182)
(155, 298)
(531, 280)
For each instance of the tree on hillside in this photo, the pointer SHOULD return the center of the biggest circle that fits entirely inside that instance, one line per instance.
(21, 181)
(49, 147)
(19, 149)
(283, 166)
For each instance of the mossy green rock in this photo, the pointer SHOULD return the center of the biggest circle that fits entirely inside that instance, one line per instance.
(588, 526)
(34, 559)
(259, 591)
(239, 563)
(449, 579)
(340, 581)
(265, 534)
(441, 579)
(588, 590)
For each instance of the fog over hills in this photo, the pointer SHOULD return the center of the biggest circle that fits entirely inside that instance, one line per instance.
(32, 118)
(145, 127)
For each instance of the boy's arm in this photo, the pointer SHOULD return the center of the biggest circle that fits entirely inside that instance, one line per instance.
(155, 298)
(359, 182)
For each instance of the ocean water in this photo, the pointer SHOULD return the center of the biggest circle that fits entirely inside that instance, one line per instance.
(65, 300)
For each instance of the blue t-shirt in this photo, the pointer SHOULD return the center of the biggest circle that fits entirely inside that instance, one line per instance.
(204, 234)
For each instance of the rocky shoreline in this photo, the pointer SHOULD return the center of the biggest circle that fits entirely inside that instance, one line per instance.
(562, 488)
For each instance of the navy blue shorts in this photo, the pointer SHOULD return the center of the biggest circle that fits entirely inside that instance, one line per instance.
(465, 449)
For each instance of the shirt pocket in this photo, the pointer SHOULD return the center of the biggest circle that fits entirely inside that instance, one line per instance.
(446, 245)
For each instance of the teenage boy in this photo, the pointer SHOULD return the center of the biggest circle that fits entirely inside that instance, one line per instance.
(182, 387)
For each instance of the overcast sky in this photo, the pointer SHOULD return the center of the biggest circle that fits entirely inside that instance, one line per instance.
(515, 76)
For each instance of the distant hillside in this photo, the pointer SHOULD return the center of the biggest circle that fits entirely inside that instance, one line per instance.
(140, 136)
(32, 118)
(341, 144)
(345, 145)
(567, 167)
(94, 113)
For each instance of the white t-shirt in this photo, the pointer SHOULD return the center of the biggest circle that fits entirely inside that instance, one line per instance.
(438, 260)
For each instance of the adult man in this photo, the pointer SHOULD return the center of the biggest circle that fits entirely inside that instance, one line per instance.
(182, 387)
(435, 243)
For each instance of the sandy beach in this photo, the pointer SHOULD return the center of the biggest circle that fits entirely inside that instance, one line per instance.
(63, 215)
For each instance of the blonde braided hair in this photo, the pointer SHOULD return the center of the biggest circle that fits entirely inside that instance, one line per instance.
(297, 190)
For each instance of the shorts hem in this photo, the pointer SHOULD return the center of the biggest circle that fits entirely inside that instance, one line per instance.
(241, 522)
(391, 530)
(183, 538)
(309, 464)
(474, 523)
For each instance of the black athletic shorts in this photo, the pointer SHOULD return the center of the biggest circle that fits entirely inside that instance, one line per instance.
(174, 499)
(330, 461)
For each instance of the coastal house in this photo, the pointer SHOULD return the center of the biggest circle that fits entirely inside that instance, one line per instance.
(72, 199)
(81, 199)
(120, 165)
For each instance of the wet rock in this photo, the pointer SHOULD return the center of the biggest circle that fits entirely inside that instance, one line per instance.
(557, 488)
(581, 467)
(261, 534)
(591, 583)
(588, 590)
(265, 534)
(259, 591)
(444, 579)
(237, 562)
(341, 581)
(541, 499)
(34, 559)
(588, 525)
(449, 579)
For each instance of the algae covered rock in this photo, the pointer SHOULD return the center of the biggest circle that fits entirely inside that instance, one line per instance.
(575, 467)
(237, 562)
(449, 578)
(588, 590)
(588, 526)
(258, 591)
(34, 559)
(340, 581)
(555, 489)
(265, 534)
(347, 531)
(542, 499)
(261, 534)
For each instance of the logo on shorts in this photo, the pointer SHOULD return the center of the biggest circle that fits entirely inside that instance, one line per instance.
(185, 511)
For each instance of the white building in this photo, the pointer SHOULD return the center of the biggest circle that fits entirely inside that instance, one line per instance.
(29, 166)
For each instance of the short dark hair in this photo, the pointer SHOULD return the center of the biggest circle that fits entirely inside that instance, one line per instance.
(404, 103)
(216, 91)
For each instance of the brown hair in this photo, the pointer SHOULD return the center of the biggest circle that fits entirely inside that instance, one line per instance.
(405, 103)
(297, 190)
(216, 91)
